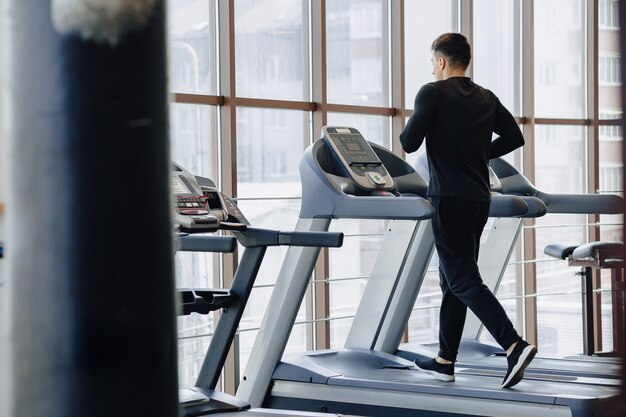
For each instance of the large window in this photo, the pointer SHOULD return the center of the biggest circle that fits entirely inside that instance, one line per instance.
(192, 46)
(559, 58)
(251, 91)
(271, 49)
(424, 20)
(356, 40)
(496, 58)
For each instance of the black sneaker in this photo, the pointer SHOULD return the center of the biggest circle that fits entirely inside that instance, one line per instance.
(438, 370)
(518, 360)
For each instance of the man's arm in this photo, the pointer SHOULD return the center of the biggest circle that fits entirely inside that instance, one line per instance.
(422, 118)
(510, 137)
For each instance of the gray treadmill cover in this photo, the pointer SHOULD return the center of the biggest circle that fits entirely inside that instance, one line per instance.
(410, 182)
(336, 196)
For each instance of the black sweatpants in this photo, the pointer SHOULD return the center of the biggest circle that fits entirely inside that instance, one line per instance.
(457, 226)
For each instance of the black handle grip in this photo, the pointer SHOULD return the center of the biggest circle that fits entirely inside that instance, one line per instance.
(316, 239)
(238, 227)
(206, 243)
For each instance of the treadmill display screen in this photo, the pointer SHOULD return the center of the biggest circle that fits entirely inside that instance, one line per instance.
(354, 147)
(355, 150)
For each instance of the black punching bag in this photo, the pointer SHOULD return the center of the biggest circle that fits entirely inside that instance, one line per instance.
(90, 268)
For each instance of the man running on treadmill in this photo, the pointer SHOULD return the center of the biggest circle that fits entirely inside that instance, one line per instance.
(457, 117)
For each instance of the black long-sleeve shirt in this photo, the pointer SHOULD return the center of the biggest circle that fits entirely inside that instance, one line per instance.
(458, 117)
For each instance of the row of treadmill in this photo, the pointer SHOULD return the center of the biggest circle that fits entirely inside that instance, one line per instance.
(346, 177)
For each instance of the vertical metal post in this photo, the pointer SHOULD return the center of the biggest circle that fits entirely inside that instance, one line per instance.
(590, 59)
(617, 299)
(622, 38)
(529, 317)
(466, 22)
(397, 74)
(321, 288)
(4, 299)
(90, 265)
(228, 124)
(586, 274)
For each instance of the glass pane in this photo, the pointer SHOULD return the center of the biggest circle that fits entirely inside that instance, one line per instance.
(513, 272)
(606, 303)
(559, 59)
(558, 152)
(610, 107)
(424, 325)
(270, 144)
(295, 344)
(424, 320)
(373, 128)
(502, 74)
(349, 268)
(194, 270)
(270, 49)
(424, 20)
(272, 214)
(609, 61)
(559, 325)
(253, 316)
(611, 171)
(339, 330)
(191, 354)
(356, 38)
(193, 138)
(192, 46)
(355, 258)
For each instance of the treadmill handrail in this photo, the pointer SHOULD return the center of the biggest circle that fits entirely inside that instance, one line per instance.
(256, 237)
(205, 243)
(513, 182)
(507, 206)
(582, 203)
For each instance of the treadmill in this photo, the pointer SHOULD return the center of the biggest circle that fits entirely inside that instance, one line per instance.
(200, 210)
(493, 260)
(344, 176)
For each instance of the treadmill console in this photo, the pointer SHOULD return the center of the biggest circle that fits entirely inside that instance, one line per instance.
(357, 158)
(196, 208)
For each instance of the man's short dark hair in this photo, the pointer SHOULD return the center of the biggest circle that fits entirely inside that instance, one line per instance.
(455, 48)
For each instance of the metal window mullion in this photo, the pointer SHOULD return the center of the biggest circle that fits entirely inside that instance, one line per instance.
(189, 98)
(386, 70)
(527, 316)
(593, 146)
(397, 74)
(466, 22)
(517, 61)
(455, 7)
(228, 157)
(321, 297)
